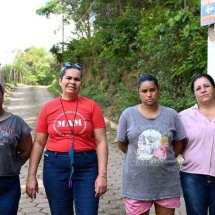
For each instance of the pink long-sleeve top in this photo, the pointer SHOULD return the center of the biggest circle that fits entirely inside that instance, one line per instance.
(199, 154)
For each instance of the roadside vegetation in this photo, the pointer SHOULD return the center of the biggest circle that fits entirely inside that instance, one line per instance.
(117, 41)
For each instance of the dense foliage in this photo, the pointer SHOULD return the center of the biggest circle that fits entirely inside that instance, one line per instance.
(32, 66)
(118, 40)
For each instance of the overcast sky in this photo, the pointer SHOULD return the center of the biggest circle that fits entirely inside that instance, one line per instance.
(21, 27)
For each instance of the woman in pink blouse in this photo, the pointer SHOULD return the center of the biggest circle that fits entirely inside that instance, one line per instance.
(198, 168)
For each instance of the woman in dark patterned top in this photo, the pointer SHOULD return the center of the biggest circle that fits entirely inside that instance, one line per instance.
(15, 148)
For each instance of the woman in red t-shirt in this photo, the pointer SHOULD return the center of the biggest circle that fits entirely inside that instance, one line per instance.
(72, 128)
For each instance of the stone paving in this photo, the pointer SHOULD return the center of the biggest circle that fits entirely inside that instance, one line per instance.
(26, 101)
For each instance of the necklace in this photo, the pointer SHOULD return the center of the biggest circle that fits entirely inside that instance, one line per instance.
(71, 127)
(71, 151)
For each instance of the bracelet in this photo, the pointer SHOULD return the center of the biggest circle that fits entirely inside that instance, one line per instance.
(104, 176)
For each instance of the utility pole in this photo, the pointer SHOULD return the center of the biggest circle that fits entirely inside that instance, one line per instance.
(211, 51)
(63, 27)
(208, 18)
(62, 33)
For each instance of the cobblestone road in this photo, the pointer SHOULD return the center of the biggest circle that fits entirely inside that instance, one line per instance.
(26, 101)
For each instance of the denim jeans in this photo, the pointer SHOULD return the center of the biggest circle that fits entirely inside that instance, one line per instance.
(56, 174)
(10, 193)
(199, 193)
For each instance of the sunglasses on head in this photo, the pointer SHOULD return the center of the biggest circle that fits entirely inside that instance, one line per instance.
(74, 65)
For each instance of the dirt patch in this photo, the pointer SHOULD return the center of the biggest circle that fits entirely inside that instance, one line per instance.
(26, 101)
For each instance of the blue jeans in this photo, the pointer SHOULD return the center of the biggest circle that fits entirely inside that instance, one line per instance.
(199, 193)
(10, 193)
(56, 173)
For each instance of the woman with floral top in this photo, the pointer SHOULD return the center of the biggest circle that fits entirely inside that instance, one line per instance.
(151, 136)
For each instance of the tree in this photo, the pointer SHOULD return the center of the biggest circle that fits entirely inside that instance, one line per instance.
(35, 66)
(118, 40)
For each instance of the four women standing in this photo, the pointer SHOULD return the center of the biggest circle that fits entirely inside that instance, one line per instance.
(72, 129)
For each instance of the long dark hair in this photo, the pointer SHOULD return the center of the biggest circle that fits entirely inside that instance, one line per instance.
(1, 89)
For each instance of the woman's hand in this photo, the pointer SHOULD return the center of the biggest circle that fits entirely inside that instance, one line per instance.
(32, 187)
(100, 185)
